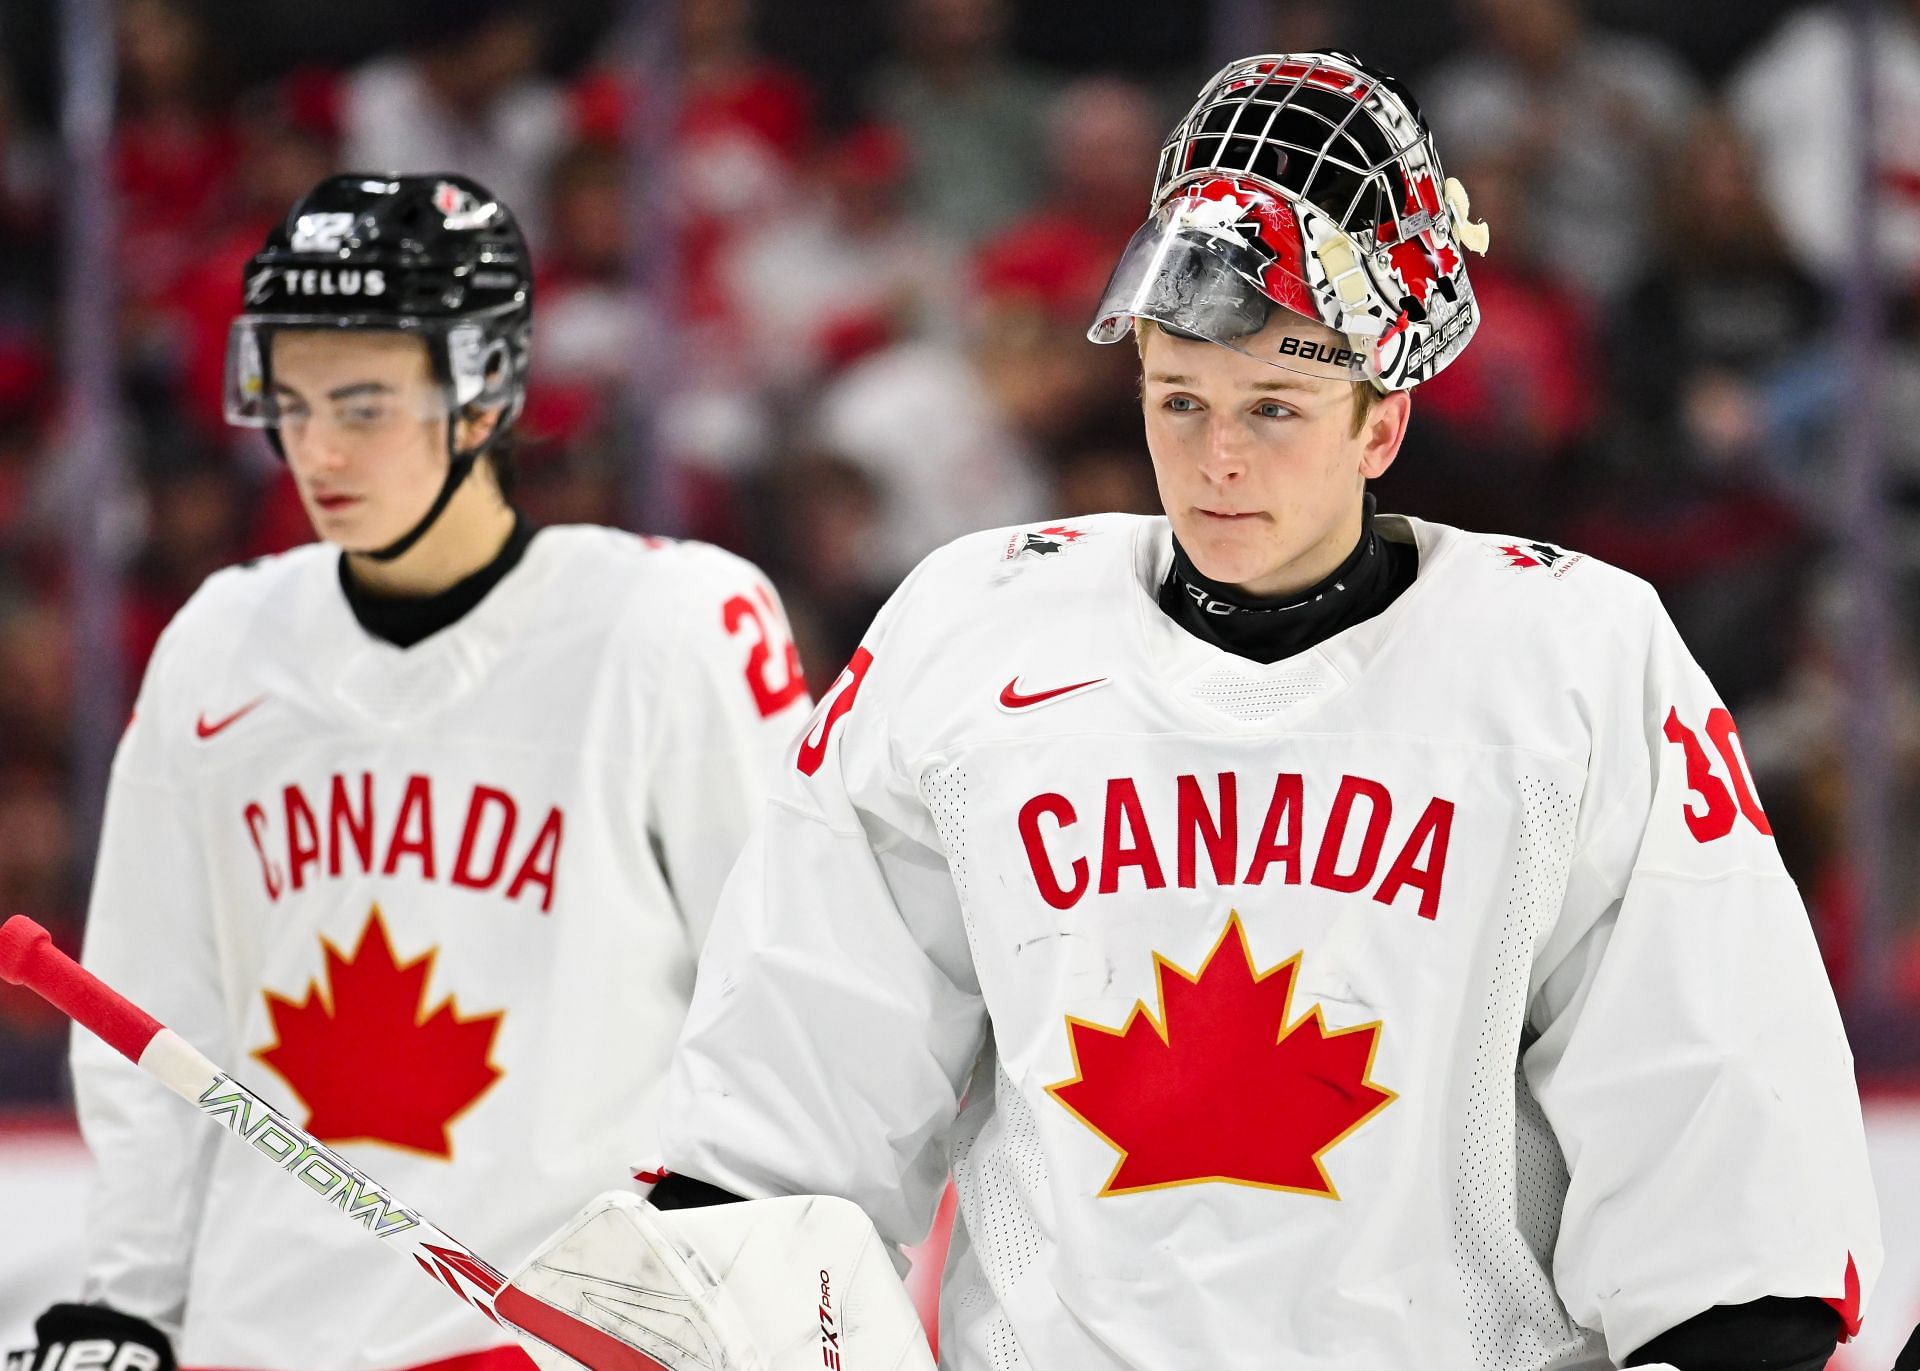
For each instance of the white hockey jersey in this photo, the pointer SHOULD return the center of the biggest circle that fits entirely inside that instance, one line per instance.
(442, 904)
(1434, 998)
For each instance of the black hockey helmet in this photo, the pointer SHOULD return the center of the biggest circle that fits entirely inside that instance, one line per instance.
(434, 255)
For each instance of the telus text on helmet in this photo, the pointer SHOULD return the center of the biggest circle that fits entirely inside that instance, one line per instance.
(328, 281)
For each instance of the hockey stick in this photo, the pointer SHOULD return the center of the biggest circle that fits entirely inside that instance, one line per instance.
(29, 958)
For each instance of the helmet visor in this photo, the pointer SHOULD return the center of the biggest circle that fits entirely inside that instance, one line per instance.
(1212, 283)
(467, 367)
(366, 400)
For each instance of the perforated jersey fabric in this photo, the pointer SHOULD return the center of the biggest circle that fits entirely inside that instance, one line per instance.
(1511, 1180)
(1253, 696)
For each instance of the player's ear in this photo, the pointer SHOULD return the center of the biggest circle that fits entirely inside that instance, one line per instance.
(474, 427)
(1382, 431)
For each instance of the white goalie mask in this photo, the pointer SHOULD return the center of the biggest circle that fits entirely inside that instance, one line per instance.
(1306, 182)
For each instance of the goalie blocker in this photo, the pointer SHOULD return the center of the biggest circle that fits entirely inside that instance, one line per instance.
(762, 1285)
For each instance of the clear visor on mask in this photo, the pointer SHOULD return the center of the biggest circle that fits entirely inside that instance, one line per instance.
(1205, 283)
(255, 395)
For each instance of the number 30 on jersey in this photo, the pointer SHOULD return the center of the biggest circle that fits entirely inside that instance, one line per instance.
(1717, 809)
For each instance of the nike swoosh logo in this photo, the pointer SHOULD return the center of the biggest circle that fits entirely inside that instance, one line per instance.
(1011, 698)
(206, 730)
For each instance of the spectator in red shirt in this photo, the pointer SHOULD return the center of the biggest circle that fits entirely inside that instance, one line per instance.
(288, 136)
(174, 148)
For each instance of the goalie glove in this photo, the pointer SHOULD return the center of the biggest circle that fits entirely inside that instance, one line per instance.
(91, 1336)
(762, 1285)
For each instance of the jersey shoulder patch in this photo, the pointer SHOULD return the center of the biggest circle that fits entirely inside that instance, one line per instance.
(1054, 539)
(982, 574)
(1534, 589)
(996, 555)
(1550, 559)
(991, 604)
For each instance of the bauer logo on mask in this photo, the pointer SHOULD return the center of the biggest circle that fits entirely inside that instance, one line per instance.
(1343, 360)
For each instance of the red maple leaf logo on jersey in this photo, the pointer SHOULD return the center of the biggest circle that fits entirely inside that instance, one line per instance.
(1063, 533)
(1222, 1087)
(367, 1061)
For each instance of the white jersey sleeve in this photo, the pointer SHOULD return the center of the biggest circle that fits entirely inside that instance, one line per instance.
(149, 936)
(1689, 1053)
(837, 1018)
(735, 696)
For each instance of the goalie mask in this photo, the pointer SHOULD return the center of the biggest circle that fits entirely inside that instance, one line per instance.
(1306, 182)
(433, 256)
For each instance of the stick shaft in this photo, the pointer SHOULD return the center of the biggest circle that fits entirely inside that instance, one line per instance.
(29, 958)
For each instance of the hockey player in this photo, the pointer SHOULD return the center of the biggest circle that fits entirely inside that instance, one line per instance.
(427, 819)
(1311, 938)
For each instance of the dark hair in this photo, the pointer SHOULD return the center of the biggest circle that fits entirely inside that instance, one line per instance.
(500, 455)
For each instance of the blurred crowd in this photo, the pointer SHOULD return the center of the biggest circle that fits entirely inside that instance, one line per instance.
(833, 323)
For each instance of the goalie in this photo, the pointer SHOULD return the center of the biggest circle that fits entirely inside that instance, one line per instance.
(1311, 937)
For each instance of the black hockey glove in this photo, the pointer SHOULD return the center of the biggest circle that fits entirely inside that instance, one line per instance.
(1909, 1358)
(72, 1336)
(1775, 1332)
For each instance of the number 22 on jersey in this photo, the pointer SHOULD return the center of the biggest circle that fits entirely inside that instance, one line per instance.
(774, 685)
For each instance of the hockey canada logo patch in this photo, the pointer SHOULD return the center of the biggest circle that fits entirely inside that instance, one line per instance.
(369, 1061)
(463, 210)
(1224, 1085)
(1533, 556)
(1044, 542)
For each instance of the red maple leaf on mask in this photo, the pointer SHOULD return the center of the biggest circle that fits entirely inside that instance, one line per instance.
(1415, 267)
(1222, 1087)
(367, 1060)
(1417, 258)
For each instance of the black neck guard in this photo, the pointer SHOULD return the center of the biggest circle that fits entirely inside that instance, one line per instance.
(404, 620)
(1268, 629)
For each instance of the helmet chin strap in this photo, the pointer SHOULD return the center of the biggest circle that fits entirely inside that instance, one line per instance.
(459, 467)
